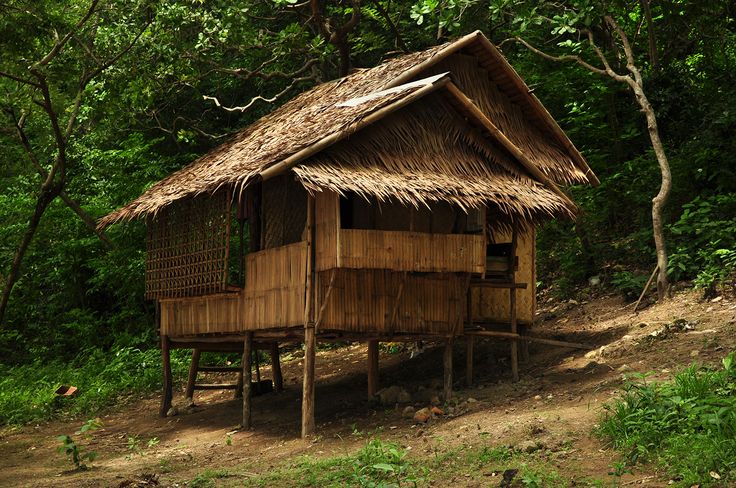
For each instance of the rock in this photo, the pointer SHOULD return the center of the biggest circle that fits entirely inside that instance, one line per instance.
(393, 395)
(408, 412)
(642, 325)
(569, 359)
(694, 353)
(173, 412)
(437, 411)
(529, 446)
(592, 354)
(538, 397)
(471, 400)
(422, 415)
(624, 368)
(717, 299)
(594, 280)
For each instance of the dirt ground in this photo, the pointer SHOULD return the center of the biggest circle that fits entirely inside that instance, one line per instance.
(557, 402)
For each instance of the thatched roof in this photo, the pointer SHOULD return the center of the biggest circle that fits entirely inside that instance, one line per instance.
(320, 117)
(429, 152)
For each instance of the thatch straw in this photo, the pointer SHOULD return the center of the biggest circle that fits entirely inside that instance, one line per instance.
(427, 153)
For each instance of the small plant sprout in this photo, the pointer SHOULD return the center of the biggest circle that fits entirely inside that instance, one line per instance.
(69, 447)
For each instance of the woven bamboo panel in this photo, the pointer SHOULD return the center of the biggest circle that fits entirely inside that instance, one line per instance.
(493, 304)
(327, 223)
(187, 248)
(412, 251)
(274, 287)
(364, 301)
(202, 315)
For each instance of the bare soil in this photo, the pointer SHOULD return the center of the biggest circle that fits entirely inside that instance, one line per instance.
(557, 402)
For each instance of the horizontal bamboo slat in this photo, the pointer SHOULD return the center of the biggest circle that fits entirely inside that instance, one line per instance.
(412, 251)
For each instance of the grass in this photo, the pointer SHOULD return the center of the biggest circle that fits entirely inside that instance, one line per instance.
(686, 425)
(103, 379)
(384, 464)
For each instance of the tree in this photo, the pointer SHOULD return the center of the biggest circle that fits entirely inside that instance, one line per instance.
(49, 79)
(576, 25)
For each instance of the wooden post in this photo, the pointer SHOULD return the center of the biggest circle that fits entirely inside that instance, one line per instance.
(247, 378)
(372, 368)
(512, 308)
(168, 388)
(447, 363)
(308, 423)
(469, 346)
(278, 380)
(239, 385)
(258, 370)
(524, 344)
(193, 369)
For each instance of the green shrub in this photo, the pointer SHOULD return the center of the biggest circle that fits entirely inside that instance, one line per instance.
(705, 242)
(687, 425)
(103, 379)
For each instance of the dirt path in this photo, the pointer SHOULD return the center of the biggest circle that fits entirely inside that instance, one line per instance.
(556, 404)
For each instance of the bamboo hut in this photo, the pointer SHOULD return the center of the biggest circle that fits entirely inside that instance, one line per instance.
(397, 203)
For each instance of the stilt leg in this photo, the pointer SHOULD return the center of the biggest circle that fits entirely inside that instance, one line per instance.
(372, 368)
(247, 377)
(447, 362)
(469, 347)
(168, 389)
(278, 381)
(239, 384)
(308, 424)
(524, 345)
(514, 344)
(258, 370)
(193, 369)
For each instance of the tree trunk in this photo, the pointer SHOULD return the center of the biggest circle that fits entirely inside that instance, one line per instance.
(44, 200)
(660, 200)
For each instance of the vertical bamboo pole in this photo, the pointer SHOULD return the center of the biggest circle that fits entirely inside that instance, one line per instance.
(372, 368)
(278, 380)
(247, 378)
(192, 379)
(469, 347)
(168, 389)
(512, 307)
(308, 423)
(447, 363)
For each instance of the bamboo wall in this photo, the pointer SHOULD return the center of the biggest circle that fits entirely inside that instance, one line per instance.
(412, 251)
(202, 315)
(373, 300)
(274, 287)
(273, 298)
(492, 305)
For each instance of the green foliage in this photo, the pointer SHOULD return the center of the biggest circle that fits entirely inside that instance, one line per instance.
(705, 241)
(379, 464)
(687, 425)
(628, 284)
(103, 379)
(76, 454)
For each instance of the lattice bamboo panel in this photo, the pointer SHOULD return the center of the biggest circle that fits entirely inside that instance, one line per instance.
(187, 246)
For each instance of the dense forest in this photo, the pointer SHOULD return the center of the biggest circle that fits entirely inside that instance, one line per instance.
(102, 98)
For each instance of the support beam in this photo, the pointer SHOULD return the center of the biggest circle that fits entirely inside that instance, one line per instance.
(447, 363)
(192, 379)
(372, 368)
(247, 378)
(512, 306)
(168, 393)
(308, 423)
(469, 347)
(278, 379)
(524, 344)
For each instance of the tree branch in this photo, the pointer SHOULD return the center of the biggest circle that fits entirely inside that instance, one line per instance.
(259, 97)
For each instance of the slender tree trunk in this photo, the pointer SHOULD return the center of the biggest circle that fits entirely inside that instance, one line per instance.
(44, 200)
(660, 200)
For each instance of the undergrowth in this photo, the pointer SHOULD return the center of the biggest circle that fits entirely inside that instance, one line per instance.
(686, 425)
(102, 378)
(386, 464)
